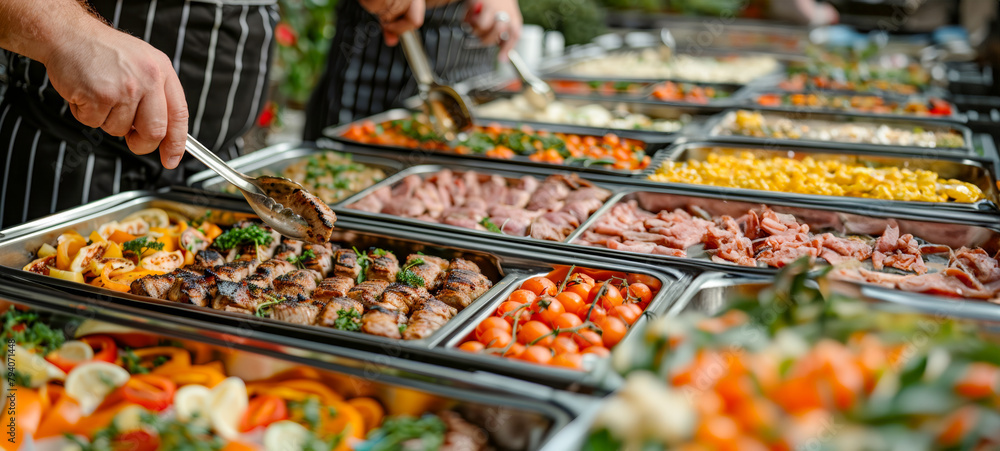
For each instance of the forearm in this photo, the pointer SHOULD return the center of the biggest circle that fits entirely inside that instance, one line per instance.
(36, 28)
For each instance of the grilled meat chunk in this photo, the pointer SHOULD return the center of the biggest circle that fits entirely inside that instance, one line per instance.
(331, 311)
(154, 286)
(296, 312)
(296, 285)
(402, 297)
(382, 322)
(346, 264)
(368, 292)
(333, 287)
(317, 214)
(246, 294)
(274, 268)
(192, 289)
(461, 263)
(382, 267)
(323, 260)
(432, 271)
(428, 316)
(234, 271)
(208, 258)
(462, 287)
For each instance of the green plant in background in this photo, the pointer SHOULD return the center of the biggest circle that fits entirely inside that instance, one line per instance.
(578, 20)
(643, 5)
(303, 39)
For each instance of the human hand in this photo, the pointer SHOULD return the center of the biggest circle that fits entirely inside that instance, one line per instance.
(495, 22)
(124, 86)
(396, 16)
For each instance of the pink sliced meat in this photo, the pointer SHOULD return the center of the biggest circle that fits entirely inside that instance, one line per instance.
(900, 252)
(977, 263)
(632, 246)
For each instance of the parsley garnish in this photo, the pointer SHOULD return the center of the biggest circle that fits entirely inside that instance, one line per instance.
(363, 262)
(21, 379)
(425, 433)
(172, 433)
(264, 309)
(133, 363)
(402, 328)
(140, 245)
(197, 222)
(252, 234)
(488, 223)
(348, 320)
(380, 252)
(309, 411)
(405, 275)
(29, 332)
(298, 260)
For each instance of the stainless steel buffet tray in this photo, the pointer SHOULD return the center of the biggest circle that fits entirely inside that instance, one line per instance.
(427, 170)
(516, 415)
(275, 159)
(979, 173)
(716, 129)
(652, 142)
(506, 265)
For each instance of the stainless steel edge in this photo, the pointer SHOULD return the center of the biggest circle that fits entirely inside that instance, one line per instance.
(69, 215)
(241, 162)
(711, 132)
(428, 169)
(595, 216)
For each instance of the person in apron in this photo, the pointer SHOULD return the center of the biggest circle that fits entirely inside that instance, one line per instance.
(365, 76)
(220, 51)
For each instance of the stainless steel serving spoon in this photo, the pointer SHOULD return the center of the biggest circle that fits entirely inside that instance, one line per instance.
(260, 192)
(445, 108)
(537, 92)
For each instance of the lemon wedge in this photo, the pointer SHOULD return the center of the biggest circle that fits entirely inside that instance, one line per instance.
(191, 401)
(129, 418)
(35, 367)
(91, 382)
(227, 403)
(284, 435)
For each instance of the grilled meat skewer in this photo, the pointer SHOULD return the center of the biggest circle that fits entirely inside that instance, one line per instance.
(382, 322)
(428, 316)
(382, 266)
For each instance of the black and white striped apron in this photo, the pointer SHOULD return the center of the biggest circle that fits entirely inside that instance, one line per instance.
(364, 76)
(50, 162)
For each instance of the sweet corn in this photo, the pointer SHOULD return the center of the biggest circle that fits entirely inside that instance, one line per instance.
(825, 177)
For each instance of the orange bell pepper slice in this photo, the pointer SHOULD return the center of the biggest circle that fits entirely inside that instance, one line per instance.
(66, 250)
(112, 284)
(295, 390)
(178, 359)
(121, 236)
(28, 409)
(61, 417)
(206, 375)
(370, 410)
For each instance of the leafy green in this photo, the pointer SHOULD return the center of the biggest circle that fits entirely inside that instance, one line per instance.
(348, 319)
(488, 223)
(173, 434)
(134, 365)
(402, 328)
(29, 332)
(405, 275)
(424, 433)
(197, 222)
(21, 379)
(252, 234)
(140, 245)
(298, 260)
(264, 308)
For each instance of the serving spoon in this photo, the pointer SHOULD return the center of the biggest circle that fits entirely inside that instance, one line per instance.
(447, 111)
(262, 193)
(538, 93)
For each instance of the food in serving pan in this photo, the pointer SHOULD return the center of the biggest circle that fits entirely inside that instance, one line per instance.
(798, 368)
(135, 391)
(650, 64)
(586, 87)
(805, 82)
(856, 71)
(495, 141)
(518, 108)
(763, 237)
(804, 174)
(559, 318)
(248, 268)
(762, 125)
(331, 176)
(857, 104)
(547, 210)
(669, 91)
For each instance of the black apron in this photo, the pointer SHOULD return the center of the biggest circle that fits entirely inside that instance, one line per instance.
(364, 76)
(50, 162)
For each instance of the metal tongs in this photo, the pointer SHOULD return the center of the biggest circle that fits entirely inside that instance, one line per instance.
(537, 92)
(260, 192)
(447, 111)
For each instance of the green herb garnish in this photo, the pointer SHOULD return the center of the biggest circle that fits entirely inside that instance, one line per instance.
(488, 223)
(348, 319)
(140, 245)
(252, 234)
(264, 309)
(298, 260)
(405, 275)
(29, 332)
(424, 433)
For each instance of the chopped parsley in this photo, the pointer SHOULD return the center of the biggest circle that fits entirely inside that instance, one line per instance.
(172, 433)
(405, 275)
(197, 222)
(264, 308)
(488, 223)
(310, 412)
(140, 245)
(402, 328)
(21, 379)
(348, 319)
(298, 260)
(29, 332)
(424, 433)
(134, 365)
(252, 234)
